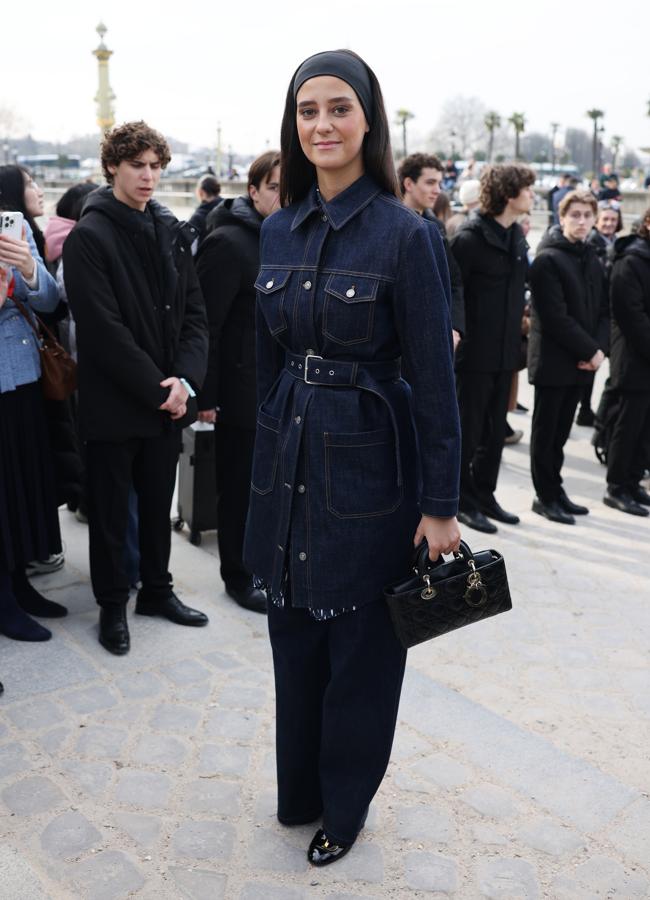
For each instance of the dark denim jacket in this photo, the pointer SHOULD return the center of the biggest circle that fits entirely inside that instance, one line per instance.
(344, 467)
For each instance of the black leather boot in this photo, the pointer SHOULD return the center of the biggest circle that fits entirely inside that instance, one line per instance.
(113, 629)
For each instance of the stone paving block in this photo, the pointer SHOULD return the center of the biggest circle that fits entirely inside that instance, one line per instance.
(547, 836)
(102, 741)
(204, 840)
(507, 879)
(140, 686)
(52, 741)
(92, 778)
(145, 789)
(429, 872)
(239, 697)
(261, 891)
(13, 758)
(35, 715)
(144, 830)
(91, 699)
(600, 876)
(3, 729)
(631, 832)
(174, 717)
(214, 796)
(425, 823)
(110, 875)
(18, 880)
(487, 834)
(405, 782)
(224, 759)
(268, 770)
(266, 805)
(222, 661)
(32, 795)
(195, 693)
(199, 884)
(255, 678)
(186, 671)
(69, 835)
(489, 800)
(231, 724)
(65, 667)
(159, 750)
(407, 745)
(269, 850)
(365, 862)
(443, 770)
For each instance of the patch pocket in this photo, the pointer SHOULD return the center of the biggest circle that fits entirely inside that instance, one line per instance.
(265, 458)
(349, 308)
(271, 286)
(361, 474)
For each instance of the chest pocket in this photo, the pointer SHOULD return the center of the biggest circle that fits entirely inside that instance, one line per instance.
(349, 309)
(272, 286)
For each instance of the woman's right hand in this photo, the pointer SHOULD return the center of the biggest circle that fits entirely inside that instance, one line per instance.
(442, 535)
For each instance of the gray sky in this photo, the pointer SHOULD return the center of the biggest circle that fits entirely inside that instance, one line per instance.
(186, 66)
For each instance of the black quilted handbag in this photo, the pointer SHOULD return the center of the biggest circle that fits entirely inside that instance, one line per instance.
(444, 596)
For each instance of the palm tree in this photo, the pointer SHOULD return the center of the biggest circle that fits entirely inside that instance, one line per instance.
(595, 115)
(518, 122)
(616, 143)
(402, 116)
(492, 121)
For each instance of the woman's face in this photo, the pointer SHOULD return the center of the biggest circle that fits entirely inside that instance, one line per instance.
(331, 124)
(33, 197)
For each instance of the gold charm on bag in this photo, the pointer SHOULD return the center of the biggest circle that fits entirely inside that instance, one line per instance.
(428, 593)
(475, 587)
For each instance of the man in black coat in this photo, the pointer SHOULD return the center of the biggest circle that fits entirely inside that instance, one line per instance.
(491, 252)
(629, 449)
(227, 265)
(142, 349)
(567, 342)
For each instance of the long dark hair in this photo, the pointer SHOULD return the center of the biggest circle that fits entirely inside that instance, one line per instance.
(12, 197)
(297, 174)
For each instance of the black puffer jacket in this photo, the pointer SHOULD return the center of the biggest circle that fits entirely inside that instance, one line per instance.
(139, 313)
(494, 279)
(570, 314)
(227, 265)
(630, 304)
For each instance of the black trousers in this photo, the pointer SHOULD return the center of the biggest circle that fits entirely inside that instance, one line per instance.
(483, 404)
(234, 457)
(629, 447)
(337, 685)
(553, 414)
(149, 464)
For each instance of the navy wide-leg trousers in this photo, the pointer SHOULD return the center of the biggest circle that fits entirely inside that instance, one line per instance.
(338, 685)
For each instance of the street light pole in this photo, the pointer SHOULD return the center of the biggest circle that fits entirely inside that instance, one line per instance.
(554, 129)
(105, 96)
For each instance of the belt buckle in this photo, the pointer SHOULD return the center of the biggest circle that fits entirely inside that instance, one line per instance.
(307, 358)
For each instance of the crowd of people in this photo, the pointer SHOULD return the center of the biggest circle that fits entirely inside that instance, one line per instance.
(360, 402)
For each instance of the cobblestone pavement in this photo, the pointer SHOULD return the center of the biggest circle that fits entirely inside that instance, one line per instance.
(521, 766)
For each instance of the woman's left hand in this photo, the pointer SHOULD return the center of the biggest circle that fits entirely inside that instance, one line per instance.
(17, 253)
(443, 535)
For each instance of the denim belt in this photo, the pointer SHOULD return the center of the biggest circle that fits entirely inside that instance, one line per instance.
(338, 373)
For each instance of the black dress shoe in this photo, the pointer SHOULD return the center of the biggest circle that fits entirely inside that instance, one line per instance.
(169, 607)
(492, 509)
(569, 506)
(113, 629)
(249, 598)
(624, 501)
(322, 851)
(475, 519)
(586, 417)
(553, 511)
(640, 495)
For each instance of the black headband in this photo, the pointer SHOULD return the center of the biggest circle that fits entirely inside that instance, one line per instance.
(340, 65)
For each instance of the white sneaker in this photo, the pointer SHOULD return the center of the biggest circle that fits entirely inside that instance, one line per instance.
(45, 566)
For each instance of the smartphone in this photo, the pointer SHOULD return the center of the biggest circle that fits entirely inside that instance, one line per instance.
(11, 224)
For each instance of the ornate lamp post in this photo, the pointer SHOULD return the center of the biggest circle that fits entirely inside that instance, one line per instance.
(105, 96)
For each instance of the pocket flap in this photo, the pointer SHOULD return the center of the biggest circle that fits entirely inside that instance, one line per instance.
(271, 280)
(352, 288)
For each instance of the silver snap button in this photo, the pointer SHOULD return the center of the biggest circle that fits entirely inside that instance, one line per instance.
(324, 218)
(292, 363)
(331, 371)
(309, 352)
(300, 365)
(281, 549)
(25, 341)
(269, 284)
(287, 485)
(302, 556)
(318, 371)
(307, 285)
(350, 292)
(301, 489)
(167, 306)
(298, 420)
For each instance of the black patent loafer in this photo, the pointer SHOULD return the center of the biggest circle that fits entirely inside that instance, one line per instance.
(493, 510)
(570, 507)
(113, 629)
(476, 520)
(322, 852)
(171, 608)
(553, 512)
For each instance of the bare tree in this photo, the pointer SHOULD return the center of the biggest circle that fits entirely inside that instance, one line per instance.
(578, 145)
(518, 122)
(492, 121)
(402, 116)
(595, 115)
(465, 118)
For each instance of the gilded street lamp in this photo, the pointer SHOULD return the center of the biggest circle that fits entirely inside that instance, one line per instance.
(105, 96)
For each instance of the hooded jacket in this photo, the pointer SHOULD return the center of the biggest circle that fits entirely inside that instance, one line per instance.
(494, 281)
(569, 313)
(630, 305)
(140, 315)
(227, 264)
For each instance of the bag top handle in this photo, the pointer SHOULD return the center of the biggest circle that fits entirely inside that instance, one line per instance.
(423, 563)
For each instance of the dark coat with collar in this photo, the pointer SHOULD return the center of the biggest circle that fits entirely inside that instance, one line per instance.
(630, 306)
(569, 313)
(455, 277)
(139, 314)
(227, 264)
(347, 453)
(494, 281)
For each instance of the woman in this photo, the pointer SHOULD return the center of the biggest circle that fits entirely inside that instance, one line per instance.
(350, 281)
(29, 527)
